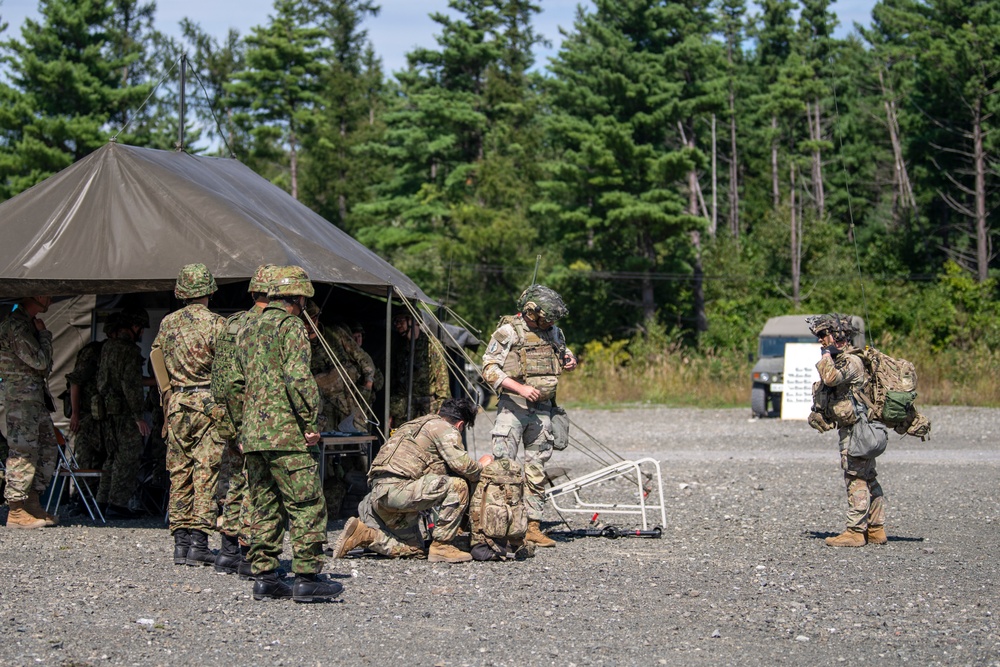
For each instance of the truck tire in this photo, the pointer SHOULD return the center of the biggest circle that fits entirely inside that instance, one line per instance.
(758, 400)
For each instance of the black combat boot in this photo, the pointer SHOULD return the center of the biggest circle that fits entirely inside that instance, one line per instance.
(309, 588)
(228, 560)
(268, 585)
(182, 542)
(199, 553)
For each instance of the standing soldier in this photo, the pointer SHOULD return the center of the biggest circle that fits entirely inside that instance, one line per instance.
(425, 391)
(25, 364)
(119, 382)
(280, 440)
(525, 356)
(85, 420)
(842, 378)
(227, 390)
(187, 338)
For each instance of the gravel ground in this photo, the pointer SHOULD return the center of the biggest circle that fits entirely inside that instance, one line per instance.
(740, 577)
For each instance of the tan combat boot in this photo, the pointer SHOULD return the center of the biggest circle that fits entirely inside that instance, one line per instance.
(35, 509)
(20, 517)
(355, 534)
(537, 537)
(876, 535)
(848, 538)
(446, 552)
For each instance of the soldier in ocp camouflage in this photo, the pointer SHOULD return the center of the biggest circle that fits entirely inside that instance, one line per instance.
(25, 364)
(228, 391)
(119, 382)
(280, 439)
(430, 386)
(522, 363)
(194, 449)
(422, 468)
(842, 378)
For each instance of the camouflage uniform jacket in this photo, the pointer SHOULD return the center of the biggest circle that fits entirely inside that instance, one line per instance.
(428, 445)
(25, 357)
(510, 354)
(187, 338)
(227, 378)
(281, 403)
(841, 379)
(357, 363)
(119, 378)
(84, 373)
(430, 370)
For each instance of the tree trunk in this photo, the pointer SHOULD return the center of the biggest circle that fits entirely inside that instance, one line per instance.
(979, 158)
(342, 197)
(714, 220)
(698, 270)
(902, 178)
(775, 190)
(734, 190)
(796, 244)
(817, 165)
(648, 295)
(293, 163)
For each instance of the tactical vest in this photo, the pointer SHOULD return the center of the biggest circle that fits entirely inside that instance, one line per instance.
(404, 455)
(837, 404)
(224, 362)
(12, 369)
(533, 359)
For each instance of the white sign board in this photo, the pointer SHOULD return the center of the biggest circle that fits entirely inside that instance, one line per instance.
(800, 373)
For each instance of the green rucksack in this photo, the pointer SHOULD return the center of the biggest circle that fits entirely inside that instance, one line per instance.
(499, 515)
(891, 392)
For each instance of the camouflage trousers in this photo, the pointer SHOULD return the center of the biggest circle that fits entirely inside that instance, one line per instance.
(865, 502)
(194, 454)
(394, 506)
(524, 423)
(290, 480)
(123, 444)
(235, 499)
(32, 454)
(88, 443)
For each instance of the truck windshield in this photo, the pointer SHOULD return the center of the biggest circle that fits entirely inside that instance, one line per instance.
(774, 346)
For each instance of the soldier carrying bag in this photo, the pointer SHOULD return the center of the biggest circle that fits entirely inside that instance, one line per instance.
(868, 438)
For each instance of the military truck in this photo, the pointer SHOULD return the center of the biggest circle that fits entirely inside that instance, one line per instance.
(768, 371)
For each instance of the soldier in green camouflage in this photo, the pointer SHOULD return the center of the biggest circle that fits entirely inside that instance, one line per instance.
(187, 338)
(228, 390)
(88, 440)
(340, 408)
(430, 385)
(120, 384)
(280, 438)
(25, 364)
(842, 377)
(522, 363)
(422, 468)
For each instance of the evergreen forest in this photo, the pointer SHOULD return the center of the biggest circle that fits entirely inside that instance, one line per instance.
(680, 170)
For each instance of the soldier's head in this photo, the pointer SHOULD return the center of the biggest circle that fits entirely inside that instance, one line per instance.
(260, 282)
(542, 306)
(291, 284)
(135, 319)
(459, 412)
(402, 321)
(35, 305)
(312, 312)
(832, 328)
(194, 282)
(358, 333)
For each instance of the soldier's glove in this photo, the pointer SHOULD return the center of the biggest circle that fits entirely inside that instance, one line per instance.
(831, 350)
(819, 422)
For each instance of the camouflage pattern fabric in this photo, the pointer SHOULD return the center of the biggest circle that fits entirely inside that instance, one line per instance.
(281, 406)
(232, 492)
(520, 422)
(845, 375)
(25, 363)
(123, 444)
(402, 540)
(194, 449)
(431, 384)
(88, 441)
(336, 403)
(119, 381)
(422, 468)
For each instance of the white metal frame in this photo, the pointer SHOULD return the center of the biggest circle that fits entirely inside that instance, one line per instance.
(69, 468)
(635, 468)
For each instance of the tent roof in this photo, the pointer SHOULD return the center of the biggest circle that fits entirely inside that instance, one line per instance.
(126, 219)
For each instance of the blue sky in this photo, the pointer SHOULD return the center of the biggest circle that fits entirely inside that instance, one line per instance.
(402, 24)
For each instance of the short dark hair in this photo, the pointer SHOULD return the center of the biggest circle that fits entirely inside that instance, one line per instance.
(459, 409)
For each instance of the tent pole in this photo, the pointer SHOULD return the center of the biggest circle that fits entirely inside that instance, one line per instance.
(388, 361)
(180, 125)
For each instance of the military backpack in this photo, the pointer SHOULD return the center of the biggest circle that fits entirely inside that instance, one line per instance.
(891, 391)
(497, 509)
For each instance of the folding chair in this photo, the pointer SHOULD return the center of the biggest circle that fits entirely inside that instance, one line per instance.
(69, 469)
(633, 472)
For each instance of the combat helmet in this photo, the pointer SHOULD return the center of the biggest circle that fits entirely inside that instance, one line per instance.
(134, 316)
(193, 282)
(542, 301)
(841, 326)
(290, 281)
(261, 279)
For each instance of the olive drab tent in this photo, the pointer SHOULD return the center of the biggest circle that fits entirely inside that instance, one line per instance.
(126, 219)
